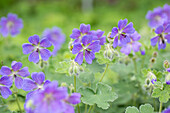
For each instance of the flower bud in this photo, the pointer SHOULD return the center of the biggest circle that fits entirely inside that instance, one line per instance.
(167, 79)
(155, 54)
(152, 77)
(166, 64)
(109, 52)
(70, 45)
(152, 60)
(75, 68)
(63, 84)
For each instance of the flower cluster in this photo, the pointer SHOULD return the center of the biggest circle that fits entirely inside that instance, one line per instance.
(159, 16)
(86, 43)
(159, 19)
(37, 49)
(56, 37)
(52, 99)
(10, 25)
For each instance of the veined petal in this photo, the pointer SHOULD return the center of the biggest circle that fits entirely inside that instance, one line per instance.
(74, 98)
(34, 39)
(27, 48)
(124, 39)
(45, 54)
(5, 70)
(159, 29)
(122, 23)
(38, 77)
(45, 43)
(136, 46)
(5, 91)
(114, 32)
(34, 57)
(115, 42)
(161, 44)
(84, 28)
(103, 40)
(167, 29)
(30, 94)
(94, 46)
(28, 84)
(79, 58)
(87, 39)
(167, 37)
(129, 28)
(5, 80)
(75, 33)
(17, 66)
(24, 72)
(68, 108)
(18, 82)
(154, 40)
(126, 49)
(77, 48)
(89, 56)
(46, 83)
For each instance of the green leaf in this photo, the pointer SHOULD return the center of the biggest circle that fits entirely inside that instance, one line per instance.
(156, 93)
(158, 84)
(87, 77)
(147, 108)
(63, 67)
(101, 96)
(164, 97)
(131, 110)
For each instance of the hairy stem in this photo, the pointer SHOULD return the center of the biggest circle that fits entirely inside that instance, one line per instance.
(104, 72)
(90, 109)
(17, 100)
(78, 108)
(85, 108)
(160, 107)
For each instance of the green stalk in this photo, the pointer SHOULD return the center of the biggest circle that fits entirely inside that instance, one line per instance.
(78, 108)
(90, 109)
(93, 108)
(85, 108)
(160, 107)
(135, 66)
(107, 65)
(18, 103)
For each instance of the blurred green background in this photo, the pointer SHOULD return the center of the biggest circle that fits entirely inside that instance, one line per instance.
(38, 15)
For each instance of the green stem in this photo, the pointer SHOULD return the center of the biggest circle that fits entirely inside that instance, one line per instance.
(78, 108)
(85, 108)
(18, 103)
(90, 109)
(104, 72)
(160, 107)
(135, 66)
(93, 108)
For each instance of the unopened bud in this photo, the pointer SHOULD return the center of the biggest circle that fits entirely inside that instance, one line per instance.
(155, 54)
(152, 60)
(152, 77)
(167, 79)
(64, 84)
(166, 64)
(75, 68)
(109, 52)
(70, 45)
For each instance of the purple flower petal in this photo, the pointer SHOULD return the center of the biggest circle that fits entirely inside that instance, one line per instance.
(114, 32)
(34, 57)
(68, 108)
(17, 66)
(89, 56)
(30, 94)
(5, 70)
(45, 43)
(38, 77)
(46, 83)
(161, 45)
(126, 49)
(94, 46)
(122, 24)
(154, 40)
(27, 48)
(74, 98)
(136, 46)
(99, 33)
(87, 39)
(28, 84)
(5, 80)
(102, 40)
(75, 33)
(115, 42)
(5, 91)
(167, 37)
(167, 29)
(124, 39)
(18, 82)
(159, 30)
(34, 39)
(168, 69)
(142, 52)
(129, 28)
(45, 54)
(77, 48)
(24, 72)
(135, 36)
(84, 28)
(79, 58)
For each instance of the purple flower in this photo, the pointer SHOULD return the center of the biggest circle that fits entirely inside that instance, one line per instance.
(122, 33)
(157, 17)
(167, 110)
(98, 35)
(132, 45)
(10, 25)
(167, 78)
(5, 84)
(52, 99)
(37, 47)
(142, 52)
(56, 37)
(166, 10)
(15, 73)
(87, 48)
(78, 34)
(36, 84)
(163, 36)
